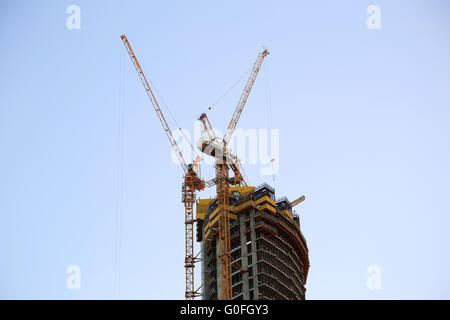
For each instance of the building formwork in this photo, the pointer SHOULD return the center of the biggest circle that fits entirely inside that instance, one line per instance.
(269, 253)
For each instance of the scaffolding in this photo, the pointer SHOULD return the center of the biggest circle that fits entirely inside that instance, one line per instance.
(269, 255)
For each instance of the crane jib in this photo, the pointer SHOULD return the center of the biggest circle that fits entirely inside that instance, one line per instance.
(155, 103)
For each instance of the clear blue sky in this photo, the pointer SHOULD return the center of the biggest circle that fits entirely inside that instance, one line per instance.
(364, 127)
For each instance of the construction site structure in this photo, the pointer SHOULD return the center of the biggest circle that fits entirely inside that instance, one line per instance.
(192, 181)
(269, 253)
(252, 246)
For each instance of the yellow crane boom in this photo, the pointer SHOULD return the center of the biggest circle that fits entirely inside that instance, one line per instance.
(244, 96)
(191, 183)
(155, 103)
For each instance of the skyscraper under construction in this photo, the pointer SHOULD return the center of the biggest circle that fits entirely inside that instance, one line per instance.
(252, 246)
(269, 253)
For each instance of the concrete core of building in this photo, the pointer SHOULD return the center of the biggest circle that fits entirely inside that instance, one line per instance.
(266, 242)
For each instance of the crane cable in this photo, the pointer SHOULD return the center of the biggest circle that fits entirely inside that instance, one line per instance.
(230, 88)
(269, 115)
(268, 97)
(170, 113)
(119, 187)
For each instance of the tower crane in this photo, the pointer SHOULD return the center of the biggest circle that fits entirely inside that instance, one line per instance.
(224, 161)
(192, 181)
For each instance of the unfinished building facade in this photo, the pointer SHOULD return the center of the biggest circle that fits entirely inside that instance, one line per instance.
(269, 253)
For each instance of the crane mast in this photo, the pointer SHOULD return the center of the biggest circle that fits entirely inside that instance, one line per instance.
(225, 161)
(191, 183)
(223, 183)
